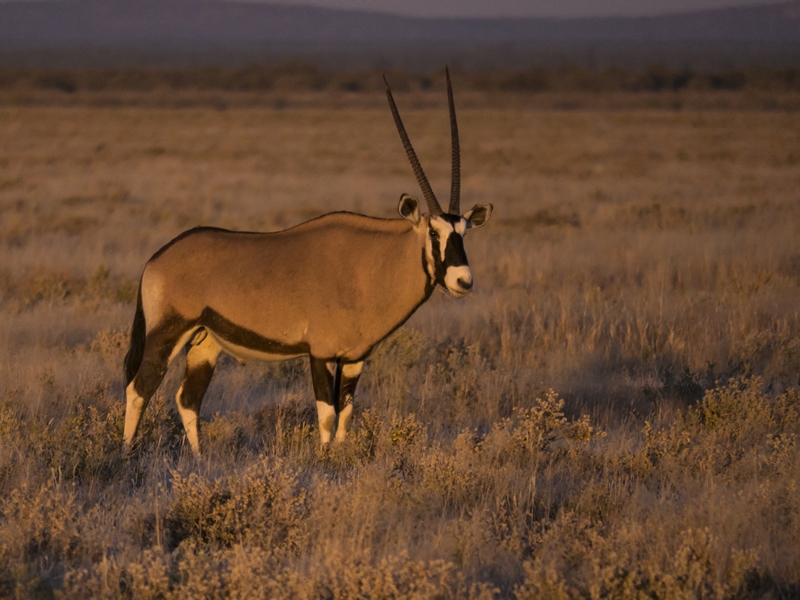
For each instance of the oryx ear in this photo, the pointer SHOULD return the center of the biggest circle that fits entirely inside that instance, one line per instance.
(409, 208)
(478, 215)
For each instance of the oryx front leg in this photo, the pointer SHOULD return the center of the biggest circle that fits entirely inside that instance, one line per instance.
(326, 376)
(350, 374)
(200, 362)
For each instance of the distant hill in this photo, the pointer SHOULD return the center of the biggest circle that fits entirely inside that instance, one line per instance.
(131, 31)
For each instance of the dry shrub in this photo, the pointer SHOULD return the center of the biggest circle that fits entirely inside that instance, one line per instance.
(226, 433)
(39, 530)
(110, 343)
(595, 565)
(12, 446)
(775, 354)
(732, 432)
(453, 482)
(366, 436)
(736, 433)
(539, 490)
(245, 572)
(531, 431)
(149, 577)
(588, 548)
(47, 286)
(394, 577)
(405, 431)
(87, 445)
(399, 440)
(262, 506)
(741, 409)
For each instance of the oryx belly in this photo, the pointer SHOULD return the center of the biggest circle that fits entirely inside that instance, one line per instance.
(245, 353)
(245, 343)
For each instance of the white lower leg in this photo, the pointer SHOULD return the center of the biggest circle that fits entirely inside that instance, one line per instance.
(133, 414)
(189, 417)
(343, 426)
(327, 418)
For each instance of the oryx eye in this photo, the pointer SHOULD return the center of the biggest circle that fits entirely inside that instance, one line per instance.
(433, 233)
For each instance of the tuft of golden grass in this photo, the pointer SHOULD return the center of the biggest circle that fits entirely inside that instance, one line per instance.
(645, 265)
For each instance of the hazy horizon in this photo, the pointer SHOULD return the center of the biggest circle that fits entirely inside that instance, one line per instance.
(511, 8)
(522, 8)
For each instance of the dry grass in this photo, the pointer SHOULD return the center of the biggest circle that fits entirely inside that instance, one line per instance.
(646, 265)
(299, 85)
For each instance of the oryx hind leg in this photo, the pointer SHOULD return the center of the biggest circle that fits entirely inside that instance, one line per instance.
(161, 346)
(200, 362)
(347, 391)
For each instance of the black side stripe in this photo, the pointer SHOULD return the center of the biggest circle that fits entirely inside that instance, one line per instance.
(241, 336)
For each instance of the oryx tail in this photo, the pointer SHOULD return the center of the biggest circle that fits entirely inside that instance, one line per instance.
(133, 359)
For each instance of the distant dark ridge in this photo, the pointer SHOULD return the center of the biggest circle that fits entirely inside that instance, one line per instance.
(292, 76)
(186, 32)
(215, 21)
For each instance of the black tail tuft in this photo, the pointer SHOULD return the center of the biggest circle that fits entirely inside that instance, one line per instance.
(133, 359)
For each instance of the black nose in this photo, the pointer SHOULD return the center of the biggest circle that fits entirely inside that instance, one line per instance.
(465, 285)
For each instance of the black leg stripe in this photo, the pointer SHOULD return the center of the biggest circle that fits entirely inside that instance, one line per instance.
(195, 384)
(348, 390)
(323, 380)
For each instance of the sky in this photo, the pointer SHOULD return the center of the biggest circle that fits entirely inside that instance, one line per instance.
(527, 8)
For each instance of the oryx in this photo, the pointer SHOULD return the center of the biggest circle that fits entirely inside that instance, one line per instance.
(330, 288)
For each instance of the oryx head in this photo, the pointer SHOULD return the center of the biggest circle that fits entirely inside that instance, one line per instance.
(445, 260)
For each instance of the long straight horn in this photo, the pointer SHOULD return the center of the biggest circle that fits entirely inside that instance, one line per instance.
(455, 170)
(433, 204)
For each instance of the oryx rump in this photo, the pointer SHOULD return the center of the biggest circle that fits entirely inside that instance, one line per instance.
(330, 288)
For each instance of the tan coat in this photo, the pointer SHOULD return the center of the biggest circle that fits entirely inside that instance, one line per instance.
(332, 287)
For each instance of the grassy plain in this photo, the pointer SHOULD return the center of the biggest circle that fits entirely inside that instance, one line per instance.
(645, 265)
